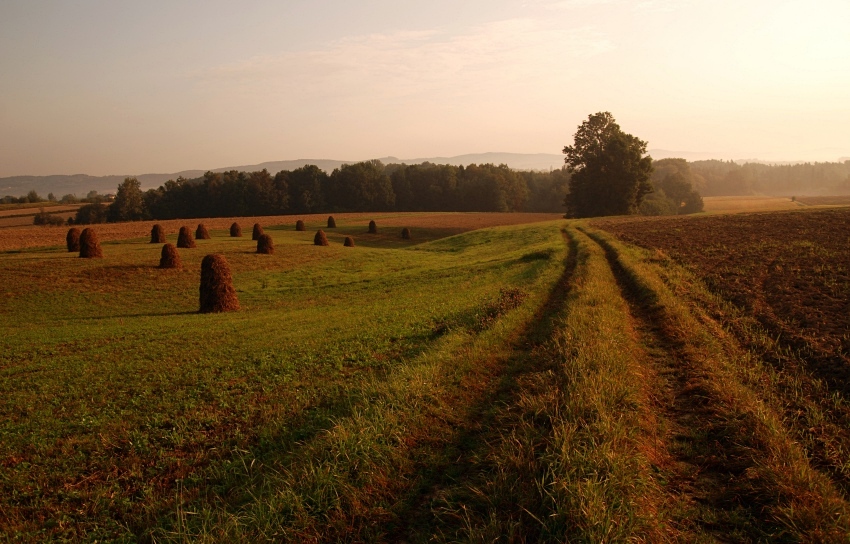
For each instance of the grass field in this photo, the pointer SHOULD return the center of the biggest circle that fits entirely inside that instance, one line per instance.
(535, 381)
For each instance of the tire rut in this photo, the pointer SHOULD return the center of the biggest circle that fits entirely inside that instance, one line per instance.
(477, 433)
(700, 459)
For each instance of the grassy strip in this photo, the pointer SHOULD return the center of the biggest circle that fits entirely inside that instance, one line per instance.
(356, 480)
(792, 500)
(568, 456)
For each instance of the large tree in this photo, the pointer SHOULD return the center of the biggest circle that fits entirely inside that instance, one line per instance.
(610, 175)
(129, 204)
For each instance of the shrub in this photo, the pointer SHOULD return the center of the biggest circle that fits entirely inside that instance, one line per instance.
(299, 226)
(72, 239)
(217, 293)
(405, 233)
(349, 241)
(170, 258)
(184, 239)
(89, 245)
(157, 234)
(44, 218)
(265, 244)
(201, 233)
(91, 214)
(331, 222)
(373, 228)
(235, 230)
(258, 231)
(320, 239)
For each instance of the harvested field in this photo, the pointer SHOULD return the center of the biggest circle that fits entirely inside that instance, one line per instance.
(782, 282)
(824, 200)
(30, 236)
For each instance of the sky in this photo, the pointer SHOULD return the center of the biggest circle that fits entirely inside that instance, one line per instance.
(126, 87)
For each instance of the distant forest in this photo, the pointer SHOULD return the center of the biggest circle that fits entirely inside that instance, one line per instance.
(360, 187)
(726, 178)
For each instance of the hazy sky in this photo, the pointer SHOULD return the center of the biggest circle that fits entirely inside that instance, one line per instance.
(121, 87)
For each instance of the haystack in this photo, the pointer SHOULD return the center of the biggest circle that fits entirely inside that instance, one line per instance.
(170, 258)
(201, 233)
(265, 244)
(373, 228)
(405, 233)
(349, 241)
(320, 239)
(89, 246)
(184, 239)
(258, 231)
(299, 226)
(157, 234)
(217, 292)
(235, 230)
(72, 239)
(331, 222)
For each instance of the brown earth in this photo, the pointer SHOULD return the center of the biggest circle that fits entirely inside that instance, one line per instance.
(791, 270)
(453, 223)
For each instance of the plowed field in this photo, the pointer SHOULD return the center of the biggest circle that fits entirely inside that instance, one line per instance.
(790, 270)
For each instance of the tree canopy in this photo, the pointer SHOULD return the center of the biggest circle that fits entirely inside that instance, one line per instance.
(610, 175)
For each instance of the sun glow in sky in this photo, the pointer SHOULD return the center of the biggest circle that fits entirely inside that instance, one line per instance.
(120, 87)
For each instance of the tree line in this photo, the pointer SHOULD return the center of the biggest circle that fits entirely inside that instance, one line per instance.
(368, 186)
(726, 178)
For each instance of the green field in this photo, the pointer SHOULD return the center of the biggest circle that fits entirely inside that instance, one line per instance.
(540, 382)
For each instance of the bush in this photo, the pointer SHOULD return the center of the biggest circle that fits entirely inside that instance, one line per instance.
(47, 219)
(91, 214)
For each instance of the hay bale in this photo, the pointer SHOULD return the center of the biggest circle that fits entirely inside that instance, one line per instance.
(235, 230)
(349, 241)
(405, 233)
(320, 239)
(170, 258)
(72, 239)
(258, 231)
(157, 234)
(331, 222)
(201, 233)
(184, 239)
(265, 244)
(217, 292)
(299, 226)
(373, 228)
(89, 246)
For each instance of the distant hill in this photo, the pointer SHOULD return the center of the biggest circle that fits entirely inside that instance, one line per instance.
(81, 184)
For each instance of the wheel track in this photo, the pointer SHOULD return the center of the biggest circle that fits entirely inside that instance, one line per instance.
(478, 432)
(701, 461)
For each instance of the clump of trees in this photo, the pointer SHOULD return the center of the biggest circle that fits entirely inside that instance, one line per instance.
(673, 191)
(610, 174)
